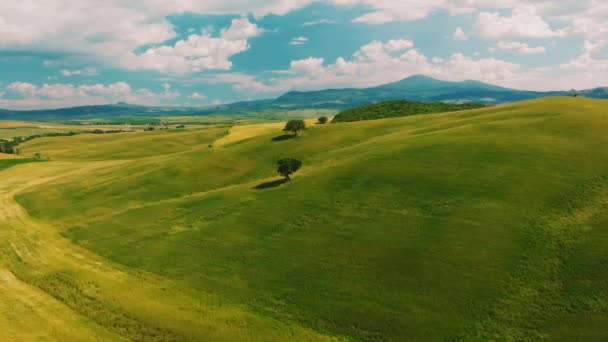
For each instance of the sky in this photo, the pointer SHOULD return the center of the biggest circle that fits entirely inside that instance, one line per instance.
(60, 53)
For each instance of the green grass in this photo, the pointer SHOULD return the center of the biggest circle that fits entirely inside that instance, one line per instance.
(252, 117)
(10, 133)
(7, 163)
(476, 225)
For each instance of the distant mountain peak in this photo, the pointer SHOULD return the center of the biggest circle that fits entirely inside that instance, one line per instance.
(419, 83)
(419, 77)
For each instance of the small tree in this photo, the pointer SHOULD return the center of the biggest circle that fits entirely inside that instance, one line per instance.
(288, 166)
(295, 126)
(323, 120)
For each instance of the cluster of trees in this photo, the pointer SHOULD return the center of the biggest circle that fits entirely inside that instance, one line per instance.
(10, 146)
(391, 109)
(107, 131)
(6, 147)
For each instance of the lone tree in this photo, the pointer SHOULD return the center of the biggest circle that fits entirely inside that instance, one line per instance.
(295, 126)
(322, 120)
(288, 166)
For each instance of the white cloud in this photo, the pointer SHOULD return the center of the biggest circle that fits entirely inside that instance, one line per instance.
(197, 96)
(309, 65)
(25, 95)
(459, 34)
(197, 52)
(319, 22)
(109, 31)
(23, 88)
(299, 41)
(524, 22)
(387, 11)
(379, 51)
(168, 94)
(91, 71)
(241, 29)
(373, 64)
(590, 69)
(528, 18)
(521, 48)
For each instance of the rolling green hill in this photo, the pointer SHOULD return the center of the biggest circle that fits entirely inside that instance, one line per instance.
(481, 225)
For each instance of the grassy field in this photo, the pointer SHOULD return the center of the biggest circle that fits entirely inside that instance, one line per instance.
(12, 129)
(10, 133)
(488, 224)
(249, 118)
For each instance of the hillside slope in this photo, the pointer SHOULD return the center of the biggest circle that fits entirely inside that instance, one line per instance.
(477, 225)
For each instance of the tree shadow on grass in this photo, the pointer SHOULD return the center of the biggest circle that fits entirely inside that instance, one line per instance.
(270, 185)
(283, 137)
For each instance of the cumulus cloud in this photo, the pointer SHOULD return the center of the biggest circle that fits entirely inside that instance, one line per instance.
(379, 51)
(377, 63)
(527, 19)
(308, 65)
(459, 34)
(24, 95)
(197, 52)
(85, 30)
(388, 11)
(524, 22)
(521, 48)
(589, 69)
(241, 29)
(383, 62)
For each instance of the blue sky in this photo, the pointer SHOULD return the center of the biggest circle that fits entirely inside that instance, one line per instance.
(57, 53)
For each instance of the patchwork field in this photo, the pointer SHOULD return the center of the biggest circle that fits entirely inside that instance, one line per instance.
(488, 224)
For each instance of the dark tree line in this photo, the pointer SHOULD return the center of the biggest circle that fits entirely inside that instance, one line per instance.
(10, 146)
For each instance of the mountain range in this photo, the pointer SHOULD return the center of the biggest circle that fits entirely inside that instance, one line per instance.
(415, 88)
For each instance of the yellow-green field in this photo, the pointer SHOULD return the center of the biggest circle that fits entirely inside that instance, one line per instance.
(12, 129)
(489, 224)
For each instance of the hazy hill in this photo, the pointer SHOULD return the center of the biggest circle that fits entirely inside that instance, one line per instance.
(414, 88)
